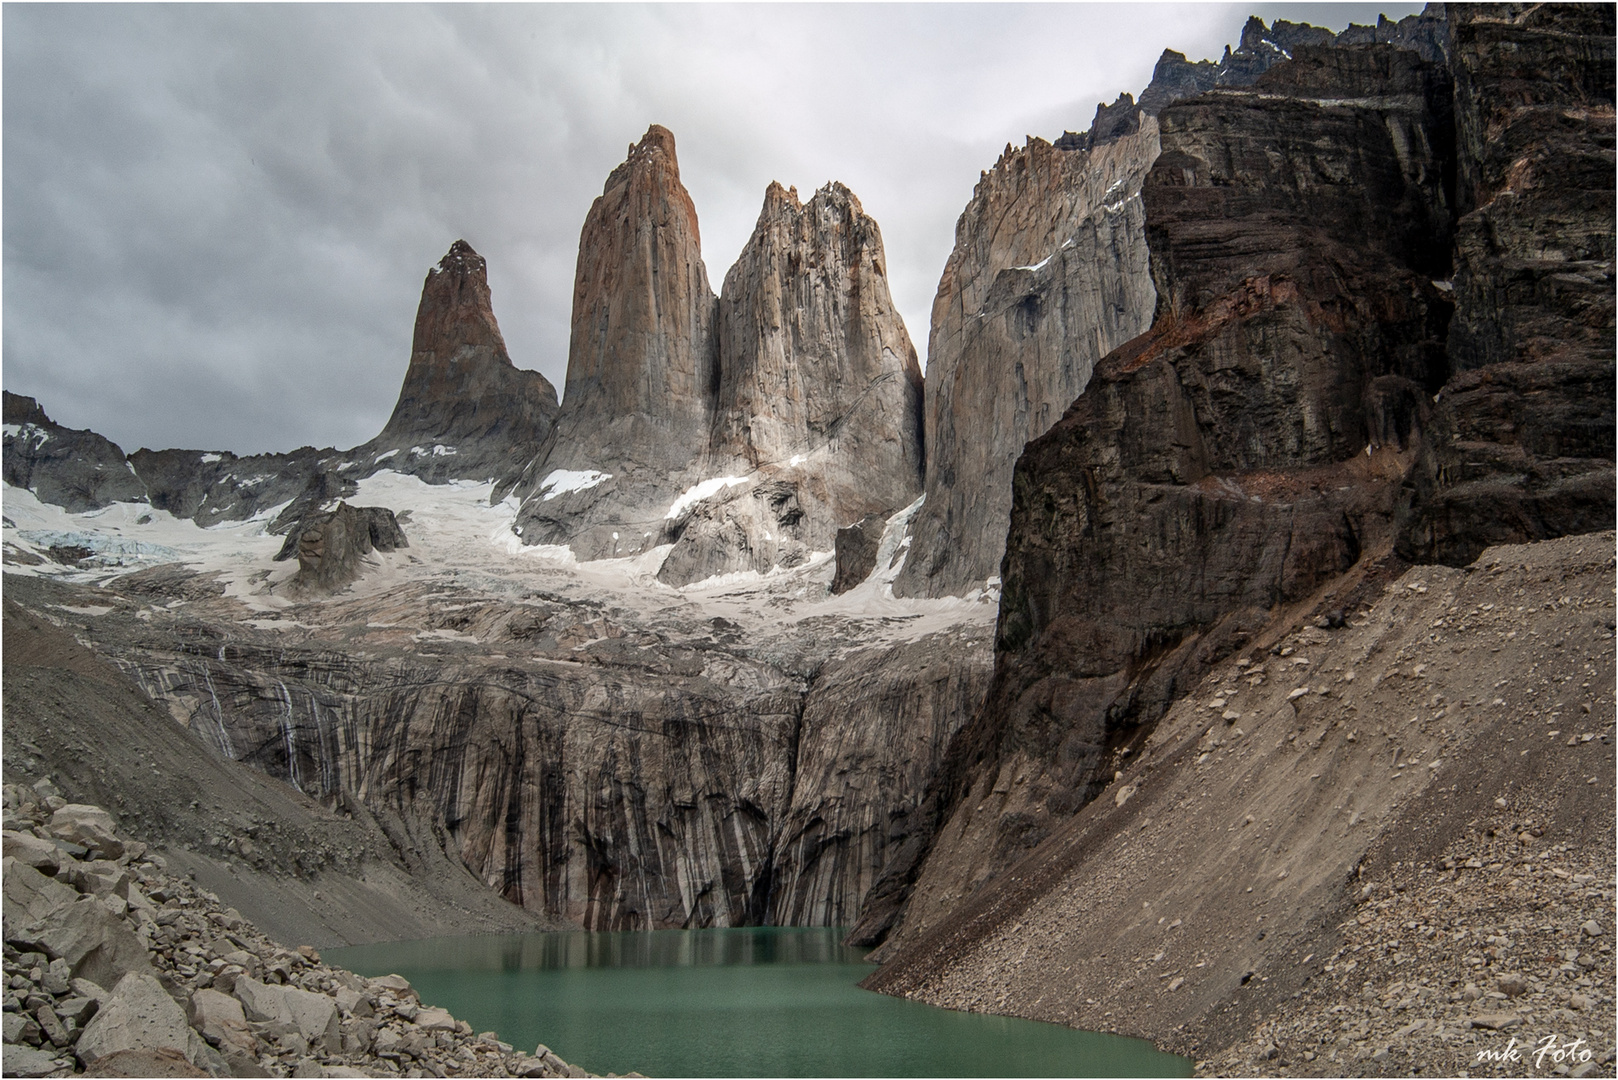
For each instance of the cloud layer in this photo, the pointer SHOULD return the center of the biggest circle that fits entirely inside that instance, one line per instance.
(217, 218)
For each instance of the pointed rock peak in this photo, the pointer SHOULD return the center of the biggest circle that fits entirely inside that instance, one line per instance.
(836, 193)
(461, 259)
(656, 147)
(777, 196)
(455, 308)
(1253, 34)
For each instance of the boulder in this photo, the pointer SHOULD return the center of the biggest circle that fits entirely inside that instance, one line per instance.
(30, 896)
(138, 1016)
(161, 1062)
(314, 1016)
(96, 944)
(431, 1018)
(27, 1061)
(99, 877)
(89, 826)
(332, 547)
(220, 1019)
(32, 850)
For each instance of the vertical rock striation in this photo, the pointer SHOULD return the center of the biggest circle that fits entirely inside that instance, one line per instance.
(642, 361)
(1048, 274)
(464, 411)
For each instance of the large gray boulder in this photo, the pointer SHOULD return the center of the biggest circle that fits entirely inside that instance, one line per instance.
(139, 1016)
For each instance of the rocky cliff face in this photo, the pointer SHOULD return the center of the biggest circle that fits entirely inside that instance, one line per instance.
(1048, 274)
(464, 411)
(741, 431)
(77, 470)
(589, 761)
(1247, 449)
(642, 362)
(1521, 443)
(819, 397)
(1300, 408)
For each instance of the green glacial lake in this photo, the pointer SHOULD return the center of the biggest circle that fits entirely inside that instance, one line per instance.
(752, 1002)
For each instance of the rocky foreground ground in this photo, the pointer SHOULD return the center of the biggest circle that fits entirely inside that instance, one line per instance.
(1494, 960)
(116, 967)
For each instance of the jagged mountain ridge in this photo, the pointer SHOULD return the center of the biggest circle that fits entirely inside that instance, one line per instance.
(1049, 273)
(464, 412)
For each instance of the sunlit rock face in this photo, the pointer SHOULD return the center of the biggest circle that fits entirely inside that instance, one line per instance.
(642, 361)
(1048, 274)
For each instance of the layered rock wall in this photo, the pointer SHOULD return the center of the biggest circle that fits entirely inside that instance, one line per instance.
(582, 764)
(1251, 446)
(1049, 274)
(1521, 446)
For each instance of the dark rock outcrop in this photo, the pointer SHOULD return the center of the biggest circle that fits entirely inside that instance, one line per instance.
(1049, 274)
(464, 411)
(76, 470)
(856, 552)
(1521, 442)
(331, 547)
(1249, 447)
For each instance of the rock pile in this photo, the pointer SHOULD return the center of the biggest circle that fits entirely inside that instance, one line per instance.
(115, 967)
(1504, 940)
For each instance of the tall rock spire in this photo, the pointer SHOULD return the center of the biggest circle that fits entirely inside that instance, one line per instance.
(815, 359)
(641, 363)
(462, 397)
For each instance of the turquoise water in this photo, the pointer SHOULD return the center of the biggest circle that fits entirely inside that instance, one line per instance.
(754, 1002)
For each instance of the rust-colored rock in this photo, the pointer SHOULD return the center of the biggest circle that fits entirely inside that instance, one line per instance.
(642, 360)
(464, 410)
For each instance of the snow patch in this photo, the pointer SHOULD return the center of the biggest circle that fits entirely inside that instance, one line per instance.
(705, 490)
(384, 456)
(563, 481)
(209, 459)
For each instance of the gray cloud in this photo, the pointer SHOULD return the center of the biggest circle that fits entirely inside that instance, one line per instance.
(217, 218)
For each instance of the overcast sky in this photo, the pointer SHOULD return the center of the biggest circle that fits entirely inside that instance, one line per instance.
(217, 218)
